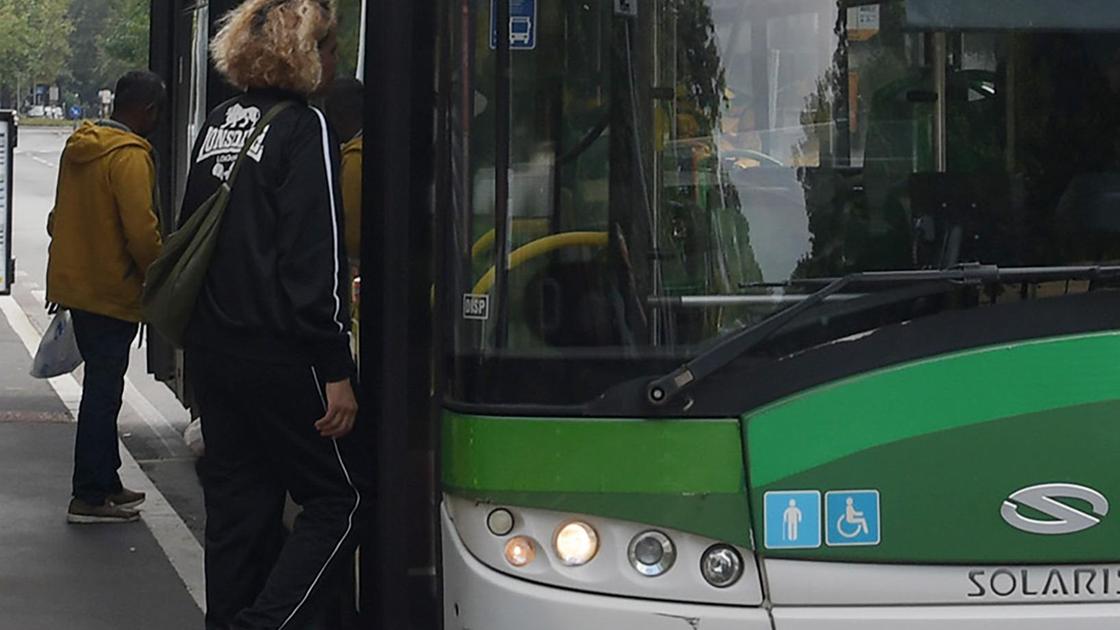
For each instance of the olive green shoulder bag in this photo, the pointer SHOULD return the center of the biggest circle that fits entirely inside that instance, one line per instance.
(173, 282)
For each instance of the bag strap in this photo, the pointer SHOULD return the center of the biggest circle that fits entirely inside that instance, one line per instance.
(257, 131)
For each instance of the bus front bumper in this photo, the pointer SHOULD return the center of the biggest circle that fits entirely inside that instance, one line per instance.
(477, 597)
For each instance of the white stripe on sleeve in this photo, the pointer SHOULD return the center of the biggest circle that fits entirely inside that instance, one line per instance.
(334, 218)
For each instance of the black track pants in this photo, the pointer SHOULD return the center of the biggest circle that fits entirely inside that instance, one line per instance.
(258, 426)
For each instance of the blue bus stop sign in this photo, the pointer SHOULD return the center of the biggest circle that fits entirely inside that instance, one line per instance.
(522, 24)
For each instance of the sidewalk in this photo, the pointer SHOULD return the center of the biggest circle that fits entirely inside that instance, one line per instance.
(54, 575)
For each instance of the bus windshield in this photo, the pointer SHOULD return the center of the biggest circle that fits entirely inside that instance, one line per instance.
(677, 170)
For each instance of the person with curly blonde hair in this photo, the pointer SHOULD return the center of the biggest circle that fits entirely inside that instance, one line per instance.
(268, 344)
(275, 44)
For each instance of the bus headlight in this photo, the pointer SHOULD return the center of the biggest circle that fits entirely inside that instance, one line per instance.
(500, 522)
(721, 566)
(652, 553)
(520, 551)
(576, 543)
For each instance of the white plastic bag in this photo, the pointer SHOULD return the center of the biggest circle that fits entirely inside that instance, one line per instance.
(193, 437)
(58, 350)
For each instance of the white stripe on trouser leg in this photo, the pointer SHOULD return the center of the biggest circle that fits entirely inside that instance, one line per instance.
(349, 521)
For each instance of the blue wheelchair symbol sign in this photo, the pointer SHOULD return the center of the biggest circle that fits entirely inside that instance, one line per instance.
(852, 518)
(792, 519)
(522, 24)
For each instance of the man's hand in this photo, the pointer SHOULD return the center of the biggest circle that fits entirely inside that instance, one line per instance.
(342, 408)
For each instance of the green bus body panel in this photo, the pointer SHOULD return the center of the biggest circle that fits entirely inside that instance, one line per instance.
(681, 474)
(945, 441)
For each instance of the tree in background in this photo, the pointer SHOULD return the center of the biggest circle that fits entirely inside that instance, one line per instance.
(34, 45)
(90, 17)
(349, 23)
(13, 50)
(110, 37)
(124, 47)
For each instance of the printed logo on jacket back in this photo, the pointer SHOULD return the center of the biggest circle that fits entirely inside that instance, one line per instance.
(225, 142)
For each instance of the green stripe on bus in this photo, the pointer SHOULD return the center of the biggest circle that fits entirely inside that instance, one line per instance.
(566, 455)
(941, 493)
(722, 517)
(937, 394)
(683, 474)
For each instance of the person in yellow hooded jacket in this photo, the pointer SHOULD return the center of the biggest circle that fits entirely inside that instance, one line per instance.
(345, 103)
(104, 235)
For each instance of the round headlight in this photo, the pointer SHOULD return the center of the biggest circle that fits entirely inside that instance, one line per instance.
(652, 553)
(500, 522)
(520, 551)
(576, 543)
(721, 566)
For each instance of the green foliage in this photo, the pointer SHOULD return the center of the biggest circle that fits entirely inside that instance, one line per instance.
(110, 37)
(34, 42)
(349, 32)
(86, 75)
(124, 46)
(698, 59)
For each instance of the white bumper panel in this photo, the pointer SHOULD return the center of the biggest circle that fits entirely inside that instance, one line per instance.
(1022, 617)
(610, 572)
(479, 598)
(801, 583)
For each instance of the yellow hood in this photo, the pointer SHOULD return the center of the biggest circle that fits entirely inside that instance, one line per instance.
(93, 141)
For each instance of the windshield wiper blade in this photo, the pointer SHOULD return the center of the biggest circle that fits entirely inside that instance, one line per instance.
(664, 389)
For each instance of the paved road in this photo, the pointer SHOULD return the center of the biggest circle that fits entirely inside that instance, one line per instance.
(152, 425)
(54, 575)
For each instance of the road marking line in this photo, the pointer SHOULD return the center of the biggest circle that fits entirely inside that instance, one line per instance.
(172, 534)
(148, 413)
(36, 158)
(169, 530)
(66, 387)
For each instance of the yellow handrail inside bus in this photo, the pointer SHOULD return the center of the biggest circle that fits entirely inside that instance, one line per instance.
(540, 247)
(486, 241)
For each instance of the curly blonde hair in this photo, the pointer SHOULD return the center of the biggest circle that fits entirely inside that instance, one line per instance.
(275, 44)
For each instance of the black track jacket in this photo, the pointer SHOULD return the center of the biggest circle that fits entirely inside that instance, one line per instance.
(278, 287)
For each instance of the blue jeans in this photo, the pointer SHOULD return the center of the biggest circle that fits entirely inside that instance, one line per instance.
(104, 343)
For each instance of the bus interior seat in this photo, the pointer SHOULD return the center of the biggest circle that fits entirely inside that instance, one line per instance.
(965, 217)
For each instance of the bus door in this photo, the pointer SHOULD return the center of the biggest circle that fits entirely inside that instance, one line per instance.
(179, 53)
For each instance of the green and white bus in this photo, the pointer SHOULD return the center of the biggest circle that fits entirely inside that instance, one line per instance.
(740, 314)
(785, 314)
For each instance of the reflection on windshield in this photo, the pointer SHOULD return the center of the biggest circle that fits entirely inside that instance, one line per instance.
(675, 175)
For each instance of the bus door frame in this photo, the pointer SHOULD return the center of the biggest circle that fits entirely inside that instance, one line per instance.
(399, 581)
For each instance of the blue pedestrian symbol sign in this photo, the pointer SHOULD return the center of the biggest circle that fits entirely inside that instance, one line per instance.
(793, 519)
(522, 24)
(852, 518)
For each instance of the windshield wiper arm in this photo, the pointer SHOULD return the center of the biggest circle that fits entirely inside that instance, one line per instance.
(664, 389)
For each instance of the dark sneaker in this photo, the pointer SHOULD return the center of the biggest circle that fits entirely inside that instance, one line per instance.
(81, 512)
(127, 498)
